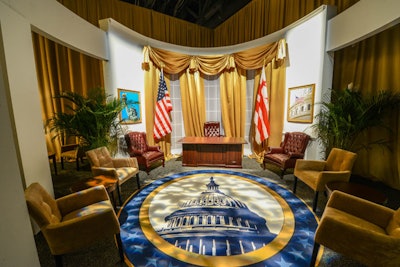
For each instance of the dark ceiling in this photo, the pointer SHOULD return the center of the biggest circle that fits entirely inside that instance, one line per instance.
(207, 13)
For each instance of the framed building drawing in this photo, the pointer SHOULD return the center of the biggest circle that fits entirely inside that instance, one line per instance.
(132, 112)
(301, 103)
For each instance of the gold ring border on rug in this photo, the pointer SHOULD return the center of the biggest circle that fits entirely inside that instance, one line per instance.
(253, 257)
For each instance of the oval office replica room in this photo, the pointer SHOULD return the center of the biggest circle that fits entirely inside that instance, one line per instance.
(179, 133)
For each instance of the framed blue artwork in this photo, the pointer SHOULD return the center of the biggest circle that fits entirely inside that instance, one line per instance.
(132, 112)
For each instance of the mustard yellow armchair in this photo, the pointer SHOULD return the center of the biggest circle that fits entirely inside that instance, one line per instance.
(122, 169)
(359, 229)
(75, 221)
(317, 173)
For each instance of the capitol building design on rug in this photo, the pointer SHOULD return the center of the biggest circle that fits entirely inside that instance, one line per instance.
(216, 218)
(216, 224)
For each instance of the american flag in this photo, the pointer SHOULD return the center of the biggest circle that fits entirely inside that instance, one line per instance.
(261, 111)
(162, 121)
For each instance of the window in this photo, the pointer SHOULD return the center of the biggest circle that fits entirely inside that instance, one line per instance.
(213, 108)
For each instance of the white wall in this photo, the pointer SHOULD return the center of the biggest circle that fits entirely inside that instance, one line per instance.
(360, 21)
(17, 247)
(123, 70)
(23, 152)
(309, 64)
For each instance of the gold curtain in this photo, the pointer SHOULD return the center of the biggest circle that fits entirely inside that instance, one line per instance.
(142, 20)
(232, 69)
(193, 104)
(257, 19)
(60, 70)
(373, 65)
(262, 17)
(233, 101)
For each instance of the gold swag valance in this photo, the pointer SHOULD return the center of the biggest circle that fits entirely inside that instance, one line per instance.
(253, 58)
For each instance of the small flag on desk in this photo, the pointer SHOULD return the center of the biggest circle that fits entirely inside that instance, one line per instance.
(162, 121)
(261, 111)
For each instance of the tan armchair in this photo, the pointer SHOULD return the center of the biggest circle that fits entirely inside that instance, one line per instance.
(291, 149)
(317, 173)
(139, 149)
(360, 229)
(71, 152)
(75, 221)
(122, 169)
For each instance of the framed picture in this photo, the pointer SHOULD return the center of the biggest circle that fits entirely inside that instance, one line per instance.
(301, 104)
(132, 113)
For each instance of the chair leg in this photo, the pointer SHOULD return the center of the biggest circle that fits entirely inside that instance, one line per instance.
(315, 202)
(58, 259)
(314, 254)
(120, 249)
(62, 163)
(137, 180)
(77, 164)
(282, 173)
(295, 185)
(119, 195)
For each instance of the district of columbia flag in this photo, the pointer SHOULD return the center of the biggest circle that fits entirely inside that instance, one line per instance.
(261, 111)
(162, 121)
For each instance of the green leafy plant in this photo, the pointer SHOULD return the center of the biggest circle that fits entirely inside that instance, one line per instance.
(92, 118)
(342, 120)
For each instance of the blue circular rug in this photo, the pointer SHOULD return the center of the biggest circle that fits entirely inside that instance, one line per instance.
(216, 218)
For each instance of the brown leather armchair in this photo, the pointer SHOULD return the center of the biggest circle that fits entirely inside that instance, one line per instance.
(212, 128)
(75, 221)
(122, 169)
(360, 229)
(291, 149)
(317, 173)
(145, 154)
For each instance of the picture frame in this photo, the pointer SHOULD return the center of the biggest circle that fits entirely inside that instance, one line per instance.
(132, 112)
(301, 104)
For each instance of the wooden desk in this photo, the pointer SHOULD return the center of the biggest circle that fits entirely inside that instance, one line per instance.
(212, 151)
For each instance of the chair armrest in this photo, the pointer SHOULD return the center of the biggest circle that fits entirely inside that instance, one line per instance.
(69, 235)
(81, 199)
(154, 148)
(293, 155)
(274, 150)
(104, 171)
(125, 162)
(332, 176)
(70, 147)
(340, 235)
(314, 165)
(135, 152)
(367, 210)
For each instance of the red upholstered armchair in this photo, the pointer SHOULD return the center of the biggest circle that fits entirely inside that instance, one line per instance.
(212, 128)
(139, 148)
(291, 149)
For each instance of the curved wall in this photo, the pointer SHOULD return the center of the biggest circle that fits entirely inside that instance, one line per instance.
(306, 62)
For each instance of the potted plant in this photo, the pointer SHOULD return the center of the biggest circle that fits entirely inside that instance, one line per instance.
(92, 118)
(342, 120)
